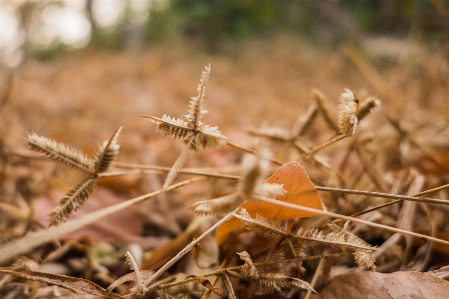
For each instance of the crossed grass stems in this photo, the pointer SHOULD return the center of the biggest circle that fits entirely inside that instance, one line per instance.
(196, 134)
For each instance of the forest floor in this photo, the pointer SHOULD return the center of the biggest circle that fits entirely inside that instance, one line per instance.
(79, 99)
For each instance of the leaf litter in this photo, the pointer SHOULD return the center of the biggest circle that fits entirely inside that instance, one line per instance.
(350, 149)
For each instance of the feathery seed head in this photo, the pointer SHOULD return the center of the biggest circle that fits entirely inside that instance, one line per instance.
(255, 168)
(367, 106)
(365, 258)
(347, 113)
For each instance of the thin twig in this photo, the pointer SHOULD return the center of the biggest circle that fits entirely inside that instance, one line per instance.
(23, 245)
(145, 168)
(348, 218)
(207, 292)
(321, 146)
(386, 195)
(236, 268)
(178, 164)
(186, 249)
(316, 276)
(249, 151)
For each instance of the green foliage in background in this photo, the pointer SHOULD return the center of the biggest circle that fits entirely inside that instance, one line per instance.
(218, 25)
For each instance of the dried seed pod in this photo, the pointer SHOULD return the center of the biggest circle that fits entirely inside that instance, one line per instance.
(367, 106)
(347, 113)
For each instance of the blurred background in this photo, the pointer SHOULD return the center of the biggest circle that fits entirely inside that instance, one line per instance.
(45, 28)
(79, 67)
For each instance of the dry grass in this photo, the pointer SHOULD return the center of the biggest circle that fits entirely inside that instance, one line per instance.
(400, 148)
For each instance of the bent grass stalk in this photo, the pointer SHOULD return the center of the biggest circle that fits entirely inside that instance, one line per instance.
(349, 218)
(32, 240)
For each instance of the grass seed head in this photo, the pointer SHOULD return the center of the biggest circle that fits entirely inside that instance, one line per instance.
(347, 113)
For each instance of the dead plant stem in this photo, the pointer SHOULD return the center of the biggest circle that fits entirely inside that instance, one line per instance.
(387, 195)
(321, 146)
(249, 151)
(32, 240)
(348, 218)
(144, 168)
(236, 268)
(186, 249)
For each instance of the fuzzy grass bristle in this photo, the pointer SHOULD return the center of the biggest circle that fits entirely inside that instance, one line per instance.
(347, 113)
(249, 269)
(217, 206)
(367, 106)
(108, 150)
(61, 153)
(72, 201)
(196, 111)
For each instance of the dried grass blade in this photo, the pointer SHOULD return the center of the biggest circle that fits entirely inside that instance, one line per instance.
(107, 152)
(28, 242)
(77, 285)
(178, 164)
(372, 172)
(61, 153)
(274, 133)
(72, 201)
(348, 218)
(304, 122)
(323, 106)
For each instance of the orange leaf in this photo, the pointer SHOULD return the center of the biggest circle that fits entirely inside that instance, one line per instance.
(300, 191)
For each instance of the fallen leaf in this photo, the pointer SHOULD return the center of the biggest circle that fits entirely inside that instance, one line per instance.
(165, 252)
(300, 191)
(374, 285)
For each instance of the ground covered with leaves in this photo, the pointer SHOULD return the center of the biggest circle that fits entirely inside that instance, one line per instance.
(117, 222)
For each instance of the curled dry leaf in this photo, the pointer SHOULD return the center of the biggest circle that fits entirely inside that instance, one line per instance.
(410, 285)
(300, 191)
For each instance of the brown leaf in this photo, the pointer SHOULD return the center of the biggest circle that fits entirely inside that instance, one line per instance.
(374, 285)
(301, 192)
(165, 252)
